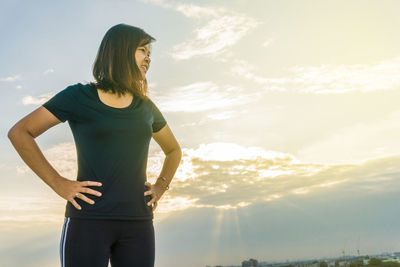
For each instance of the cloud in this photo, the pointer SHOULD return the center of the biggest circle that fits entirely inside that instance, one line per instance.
(328, 79)
(215, 37)
(32, 100)
(43, 207)
(62, 156)
(268, 42)
(161, 3)
(203, 96)
(220, 28)
(228, 176)
(11, 78)
(36, 100)
(224, 115)
(21, 203)
(48, 71)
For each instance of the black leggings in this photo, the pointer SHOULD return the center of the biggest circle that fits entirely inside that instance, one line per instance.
(95, 242)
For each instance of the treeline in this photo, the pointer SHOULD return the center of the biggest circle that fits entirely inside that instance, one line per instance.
(373, 262)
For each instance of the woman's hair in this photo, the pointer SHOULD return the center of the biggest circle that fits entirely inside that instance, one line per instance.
(115, 68)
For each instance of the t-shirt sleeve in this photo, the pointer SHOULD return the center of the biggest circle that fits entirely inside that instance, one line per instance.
(158, 119)
(61, 104)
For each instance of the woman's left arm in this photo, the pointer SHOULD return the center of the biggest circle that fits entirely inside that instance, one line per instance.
(168, 143)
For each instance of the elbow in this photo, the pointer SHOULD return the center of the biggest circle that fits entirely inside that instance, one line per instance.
(176, 152)
(11, 132)
(14, 131)
(179, 151)
(12, 135)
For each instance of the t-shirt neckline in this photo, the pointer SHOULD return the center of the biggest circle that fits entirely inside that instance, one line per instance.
(96, 94)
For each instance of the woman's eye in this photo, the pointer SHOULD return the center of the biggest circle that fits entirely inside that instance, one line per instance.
(142, 49)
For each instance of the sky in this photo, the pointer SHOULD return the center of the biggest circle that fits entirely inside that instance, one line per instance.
(286, 112)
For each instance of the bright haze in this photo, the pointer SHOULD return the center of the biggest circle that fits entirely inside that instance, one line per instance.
(287, 113)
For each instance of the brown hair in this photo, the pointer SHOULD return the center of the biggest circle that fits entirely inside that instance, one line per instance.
(115, 68)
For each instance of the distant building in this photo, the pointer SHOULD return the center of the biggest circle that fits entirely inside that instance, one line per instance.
(250, 263)
(391, 259)
(254, 262)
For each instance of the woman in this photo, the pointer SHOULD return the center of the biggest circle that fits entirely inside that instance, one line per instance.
(109, 210)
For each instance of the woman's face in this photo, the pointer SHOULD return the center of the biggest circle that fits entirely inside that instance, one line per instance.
(142, 56)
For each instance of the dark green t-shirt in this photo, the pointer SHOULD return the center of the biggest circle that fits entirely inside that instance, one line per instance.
(112, 148)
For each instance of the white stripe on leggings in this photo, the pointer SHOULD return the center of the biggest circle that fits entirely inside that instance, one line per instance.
(62, 241)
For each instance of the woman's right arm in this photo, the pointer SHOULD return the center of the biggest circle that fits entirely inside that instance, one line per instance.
(22, 136)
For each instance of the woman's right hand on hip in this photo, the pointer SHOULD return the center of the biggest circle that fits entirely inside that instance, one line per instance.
(68, 190)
